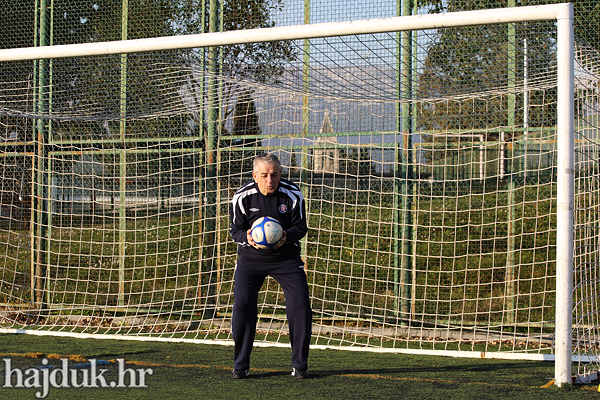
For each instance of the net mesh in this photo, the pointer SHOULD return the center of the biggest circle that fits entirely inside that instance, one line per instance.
(431, 197)
(585, 270)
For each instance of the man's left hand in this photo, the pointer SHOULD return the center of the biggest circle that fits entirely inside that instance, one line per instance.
(281, 241)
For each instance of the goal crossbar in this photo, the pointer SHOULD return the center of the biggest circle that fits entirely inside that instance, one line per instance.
(295, 32)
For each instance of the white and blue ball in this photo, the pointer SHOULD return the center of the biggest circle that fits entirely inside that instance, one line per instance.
(266, 232)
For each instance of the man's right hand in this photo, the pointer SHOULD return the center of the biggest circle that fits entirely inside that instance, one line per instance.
(251, 241)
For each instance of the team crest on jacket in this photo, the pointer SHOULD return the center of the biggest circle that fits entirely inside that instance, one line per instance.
(282, 208)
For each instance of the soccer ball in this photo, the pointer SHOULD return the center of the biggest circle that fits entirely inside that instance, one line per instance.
(266, 232)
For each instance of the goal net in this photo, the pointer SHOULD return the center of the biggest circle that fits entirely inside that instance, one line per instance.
(428, 159)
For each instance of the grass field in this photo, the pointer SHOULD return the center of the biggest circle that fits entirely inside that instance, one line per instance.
(191, 371)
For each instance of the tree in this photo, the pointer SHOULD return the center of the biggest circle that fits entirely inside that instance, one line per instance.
(244, 63)
(356, 161)
(83, 83)
(259, 62)
(96, 81)
(245, 119)
(587, 12)
(245, 123)
(462, 61)
(17, 30)
(465, 60)
(587, 21)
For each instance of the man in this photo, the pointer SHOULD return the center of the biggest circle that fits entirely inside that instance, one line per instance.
(269, 195)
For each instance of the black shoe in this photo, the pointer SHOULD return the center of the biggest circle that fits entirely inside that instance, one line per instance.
(300, 373)
(240, 374)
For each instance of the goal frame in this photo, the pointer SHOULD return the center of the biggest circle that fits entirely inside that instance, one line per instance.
(561, 13)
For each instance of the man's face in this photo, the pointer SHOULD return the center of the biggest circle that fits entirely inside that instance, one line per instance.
(267, 176)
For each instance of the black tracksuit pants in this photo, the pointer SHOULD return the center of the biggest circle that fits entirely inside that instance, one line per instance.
(249, 278)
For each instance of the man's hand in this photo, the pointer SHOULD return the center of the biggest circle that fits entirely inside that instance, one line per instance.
(251, 241)
(281, 241)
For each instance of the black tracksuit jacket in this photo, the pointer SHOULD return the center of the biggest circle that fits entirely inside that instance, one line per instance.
(286, 205)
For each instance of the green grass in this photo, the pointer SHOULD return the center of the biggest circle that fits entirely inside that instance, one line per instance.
(190, 371)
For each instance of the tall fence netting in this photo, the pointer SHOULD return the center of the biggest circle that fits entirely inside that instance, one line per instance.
(428, 162)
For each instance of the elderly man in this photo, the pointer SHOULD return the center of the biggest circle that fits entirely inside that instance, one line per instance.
(267, 194)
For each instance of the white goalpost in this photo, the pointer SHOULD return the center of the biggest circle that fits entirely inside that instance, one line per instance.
(130, 240)
(565, 195)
